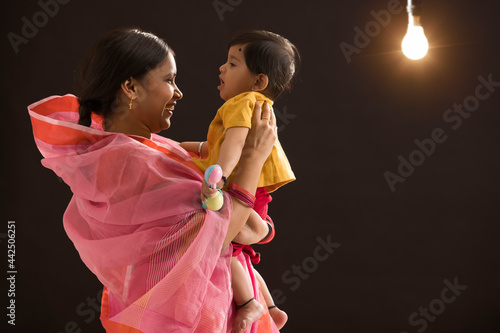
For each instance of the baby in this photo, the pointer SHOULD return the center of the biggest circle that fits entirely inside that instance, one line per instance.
(259, 67)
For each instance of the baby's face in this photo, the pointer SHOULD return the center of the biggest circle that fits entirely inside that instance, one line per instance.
(235, 77)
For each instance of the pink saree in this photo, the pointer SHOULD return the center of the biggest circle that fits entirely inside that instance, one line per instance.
(136, 220)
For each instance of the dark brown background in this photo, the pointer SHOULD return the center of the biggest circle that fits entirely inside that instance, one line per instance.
(347, 124)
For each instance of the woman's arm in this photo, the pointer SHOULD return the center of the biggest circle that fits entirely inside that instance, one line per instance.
(258, 145)
(257, 148)
(194, 147)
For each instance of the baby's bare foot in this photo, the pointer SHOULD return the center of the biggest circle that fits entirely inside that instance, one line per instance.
(279, 317)
(247, 315)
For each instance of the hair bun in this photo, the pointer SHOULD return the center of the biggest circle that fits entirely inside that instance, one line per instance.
(91, 104)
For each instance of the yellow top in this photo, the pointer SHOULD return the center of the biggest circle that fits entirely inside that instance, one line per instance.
(237, 112)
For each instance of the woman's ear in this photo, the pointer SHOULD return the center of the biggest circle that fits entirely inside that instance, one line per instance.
(261, 82)
(128, 88)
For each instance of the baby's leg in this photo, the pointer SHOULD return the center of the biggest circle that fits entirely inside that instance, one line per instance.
(248, 309)
(280, 317)
(254, 230)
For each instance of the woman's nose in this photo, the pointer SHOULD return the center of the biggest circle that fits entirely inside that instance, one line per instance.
(178, 93)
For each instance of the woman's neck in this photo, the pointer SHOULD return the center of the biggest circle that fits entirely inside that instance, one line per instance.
(126, 126)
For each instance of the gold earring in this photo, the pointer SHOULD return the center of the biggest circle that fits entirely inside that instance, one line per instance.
(130, 104)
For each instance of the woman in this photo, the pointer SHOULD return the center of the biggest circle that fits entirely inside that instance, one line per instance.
(135, 216)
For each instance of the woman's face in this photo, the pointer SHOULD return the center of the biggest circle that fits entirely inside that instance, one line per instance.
(157, 95)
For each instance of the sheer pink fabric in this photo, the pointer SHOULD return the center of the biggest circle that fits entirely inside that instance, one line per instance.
(136, 220)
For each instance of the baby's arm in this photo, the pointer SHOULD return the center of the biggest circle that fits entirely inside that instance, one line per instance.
(229, 154)
(253, 231)
(230, 150)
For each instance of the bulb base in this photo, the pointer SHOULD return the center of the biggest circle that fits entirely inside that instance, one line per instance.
(414, 21)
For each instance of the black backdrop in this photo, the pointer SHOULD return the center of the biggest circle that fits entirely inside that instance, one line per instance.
(396, 260)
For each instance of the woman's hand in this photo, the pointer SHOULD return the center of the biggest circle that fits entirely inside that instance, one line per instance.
(263, 133)
(258, 143)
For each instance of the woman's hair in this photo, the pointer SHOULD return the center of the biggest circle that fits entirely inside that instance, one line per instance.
(115, 57)
(270, 54)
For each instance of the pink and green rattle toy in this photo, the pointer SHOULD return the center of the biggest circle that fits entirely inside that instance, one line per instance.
(212, 176)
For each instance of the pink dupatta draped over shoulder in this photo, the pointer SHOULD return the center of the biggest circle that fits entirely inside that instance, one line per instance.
(136, 220)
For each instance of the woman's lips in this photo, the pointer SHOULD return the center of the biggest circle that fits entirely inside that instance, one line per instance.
(170, 108)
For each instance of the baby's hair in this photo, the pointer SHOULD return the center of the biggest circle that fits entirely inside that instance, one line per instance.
(270, 54)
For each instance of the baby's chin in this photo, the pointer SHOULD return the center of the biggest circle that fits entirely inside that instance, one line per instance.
(224, 96)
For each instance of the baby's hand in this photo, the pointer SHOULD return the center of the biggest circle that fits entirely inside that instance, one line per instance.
(206, 191)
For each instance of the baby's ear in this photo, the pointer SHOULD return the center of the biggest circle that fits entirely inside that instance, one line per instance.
(261, 82)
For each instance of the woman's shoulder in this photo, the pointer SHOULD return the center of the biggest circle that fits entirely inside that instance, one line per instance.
(126, 151)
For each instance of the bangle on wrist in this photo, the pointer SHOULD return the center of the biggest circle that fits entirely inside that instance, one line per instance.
(199, 148)
(241, 194)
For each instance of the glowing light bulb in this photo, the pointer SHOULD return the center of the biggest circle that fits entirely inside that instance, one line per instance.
(415, 44)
